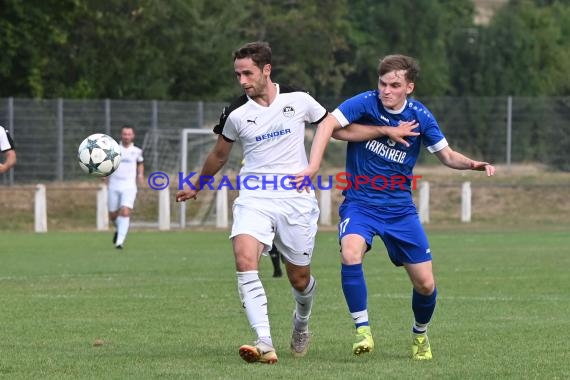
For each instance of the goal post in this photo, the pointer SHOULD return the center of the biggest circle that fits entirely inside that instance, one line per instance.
(184, 134)
(174, 151)
(212, 206)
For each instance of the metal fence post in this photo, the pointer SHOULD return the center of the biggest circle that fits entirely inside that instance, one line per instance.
(200, 114)
(183, 169)
(509, 129)
(59, 158)
(11, 130)
(108, 117)
(154, 127)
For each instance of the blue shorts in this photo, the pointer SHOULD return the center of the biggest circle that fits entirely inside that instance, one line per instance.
(399, 228)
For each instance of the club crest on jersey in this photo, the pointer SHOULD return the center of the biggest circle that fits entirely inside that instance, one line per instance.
(288, 111)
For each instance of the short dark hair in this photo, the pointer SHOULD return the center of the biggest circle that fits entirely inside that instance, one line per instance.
(127, 126)
(396, 62)
(258, 51)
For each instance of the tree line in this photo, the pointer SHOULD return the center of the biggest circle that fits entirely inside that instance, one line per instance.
(181, 49)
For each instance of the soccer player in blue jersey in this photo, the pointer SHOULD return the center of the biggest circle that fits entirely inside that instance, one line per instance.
(378, 199)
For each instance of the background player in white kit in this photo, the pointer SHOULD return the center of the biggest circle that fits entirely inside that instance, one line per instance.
(8, 151)
(123, 185)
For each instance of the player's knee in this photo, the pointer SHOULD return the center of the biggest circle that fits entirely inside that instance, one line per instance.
(299, 278)
(245, 263)
(353, 247)
(425, 287)
(125, 211)
(299, 283)
(351, 256)
(246, 259)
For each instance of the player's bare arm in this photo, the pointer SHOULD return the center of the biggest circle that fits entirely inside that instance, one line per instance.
(216, 159)
(456, 160)
(9, 161)
(140, 174)
(359, 132)
(322, 136)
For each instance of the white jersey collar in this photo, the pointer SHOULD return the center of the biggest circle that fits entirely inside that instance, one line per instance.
(276, 95)
(396, 112)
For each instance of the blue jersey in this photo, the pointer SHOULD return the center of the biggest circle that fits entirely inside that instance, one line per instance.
(379, 171)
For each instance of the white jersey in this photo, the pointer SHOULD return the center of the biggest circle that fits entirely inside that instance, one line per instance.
(126, 174)
(6, 142)
(272, 138)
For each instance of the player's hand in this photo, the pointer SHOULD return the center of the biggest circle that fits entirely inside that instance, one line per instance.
(304, 180)
(184, 195)
(404, 129)
(483, 167)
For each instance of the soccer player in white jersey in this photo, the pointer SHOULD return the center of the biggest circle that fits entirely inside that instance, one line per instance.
(8, 151)
(123, 185)
(269, 121)
(383, 205)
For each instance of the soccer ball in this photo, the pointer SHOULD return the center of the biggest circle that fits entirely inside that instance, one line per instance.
(99, 155)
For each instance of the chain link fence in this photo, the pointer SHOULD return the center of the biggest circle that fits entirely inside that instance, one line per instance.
(48, 132)
(505, 131)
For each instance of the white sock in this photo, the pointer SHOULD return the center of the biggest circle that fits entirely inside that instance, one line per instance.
(122, 223)
(304, 304)
(360, 317)
(419, 328)
(254, 301)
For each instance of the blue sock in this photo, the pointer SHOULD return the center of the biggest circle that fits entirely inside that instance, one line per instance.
(423, 308)
(355, 292)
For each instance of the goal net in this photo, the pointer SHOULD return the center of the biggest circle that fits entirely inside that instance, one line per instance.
(178, 153)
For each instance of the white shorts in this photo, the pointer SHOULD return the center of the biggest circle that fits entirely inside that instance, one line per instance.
(122, 198)
(290, 223)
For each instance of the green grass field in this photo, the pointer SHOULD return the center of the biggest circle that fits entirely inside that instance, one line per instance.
(167, 307)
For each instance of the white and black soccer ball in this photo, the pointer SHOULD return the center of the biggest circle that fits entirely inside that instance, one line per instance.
(99, 155)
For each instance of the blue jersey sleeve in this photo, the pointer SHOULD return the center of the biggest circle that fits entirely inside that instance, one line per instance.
(359, 108)
(432, 136)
